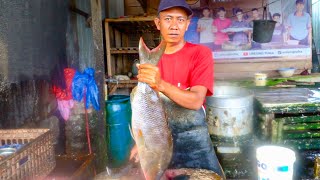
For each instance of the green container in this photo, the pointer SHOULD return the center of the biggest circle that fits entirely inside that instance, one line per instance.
(119, 140)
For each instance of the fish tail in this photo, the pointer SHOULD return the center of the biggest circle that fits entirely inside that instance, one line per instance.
(150, 56)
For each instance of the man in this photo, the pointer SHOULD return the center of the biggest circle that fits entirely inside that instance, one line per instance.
(205, 28)
(220, 24)
(255, 16)
(185, 76)
(242, 37)
(279, 33)
(191, 34)
(299, 24)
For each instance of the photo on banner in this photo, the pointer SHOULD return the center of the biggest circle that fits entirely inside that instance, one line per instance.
(226, 27)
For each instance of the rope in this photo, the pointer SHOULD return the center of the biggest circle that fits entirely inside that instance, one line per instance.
(193, 3)
(87, 125)
(315, 2)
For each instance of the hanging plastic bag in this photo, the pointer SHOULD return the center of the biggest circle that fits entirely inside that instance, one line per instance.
(85, 85)
(65, 94)
(92, 90)
(65, 107)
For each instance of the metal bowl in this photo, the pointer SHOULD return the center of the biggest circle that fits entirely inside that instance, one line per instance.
(4, 152)
(286, 72)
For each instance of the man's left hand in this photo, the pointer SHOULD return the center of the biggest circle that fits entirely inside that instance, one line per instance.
(150, 74)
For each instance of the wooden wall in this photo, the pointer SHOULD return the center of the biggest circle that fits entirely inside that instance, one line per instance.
(134, 8)
(245, 69)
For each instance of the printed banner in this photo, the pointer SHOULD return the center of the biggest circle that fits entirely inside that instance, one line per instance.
(262, 53)
(230, 29)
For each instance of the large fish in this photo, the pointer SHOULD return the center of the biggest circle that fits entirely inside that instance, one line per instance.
(149, 123)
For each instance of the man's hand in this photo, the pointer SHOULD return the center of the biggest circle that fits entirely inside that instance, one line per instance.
(150, 74)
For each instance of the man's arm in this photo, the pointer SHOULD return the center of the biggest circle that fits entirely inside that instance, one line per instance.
(191, 99)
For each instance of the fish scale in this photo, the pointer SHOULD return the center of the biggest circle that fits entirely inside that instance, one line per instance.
(149, 123)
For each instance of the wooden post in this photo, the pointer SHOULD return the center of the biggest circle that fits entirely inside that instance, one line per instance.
(100, 148)
(108, 45)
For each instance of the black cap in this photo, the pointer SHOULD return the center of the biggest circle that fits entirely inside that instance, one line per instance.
(276, 14)
(221, 9)
(299, 1)
(167, 4)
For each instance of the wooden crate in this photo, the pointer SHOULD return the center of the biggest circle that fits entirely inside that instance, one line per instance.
(36, 158)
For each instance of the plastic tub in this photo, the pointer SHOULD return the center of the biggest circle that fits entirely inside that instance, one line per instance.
(275, 162)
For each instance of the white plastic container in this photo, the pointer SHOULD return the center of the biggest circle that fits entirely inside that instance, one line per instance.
(275, 163)
(260, 79)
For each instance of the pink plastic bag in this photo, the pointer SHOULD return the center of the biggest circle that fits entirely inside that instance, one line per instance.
(65, 107)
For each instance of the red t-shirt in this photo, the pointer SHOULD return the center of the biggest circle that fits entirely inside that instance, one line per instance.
(221, 37)
(190, 66)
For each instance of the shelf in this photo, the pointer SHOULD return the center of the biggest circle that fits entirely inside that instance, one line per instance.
(133, 24)
(122, 38)
(131, 19)
(124, 50)
(112, 86)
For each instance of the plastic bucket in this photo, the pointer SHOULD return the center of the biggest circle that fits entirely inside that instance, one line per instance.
(229, 112)
(263, 30)
(275, 162)
(260, 79)
(119, 140)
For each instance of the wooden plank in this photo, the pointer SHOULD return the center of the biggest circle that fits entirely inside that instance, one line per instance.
(266, 126)
(98, 137)
(113, 65)
(118, 63)
(301, 135)
(303, 144)
(128, 19)
(303, 126)
(124, 51)
(259, 66)
(117, 38)
(152, 6)
(260, 60)
(108, 45)
(246, 75)
(301, 119)
(317, 167)
(132, 8)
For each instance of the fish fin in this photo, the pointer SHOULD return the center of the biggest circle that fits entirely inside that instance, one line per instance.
(131, 133)
(150, 56)
(132, 94)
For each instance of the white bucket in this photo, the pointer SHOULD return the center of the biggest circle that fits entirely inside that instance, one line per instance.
(275, 163)
(260, 79)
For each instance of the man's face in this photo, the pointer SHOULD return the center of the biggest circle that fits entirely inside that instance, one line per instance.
(255, 14)
(300, 7)
(276, 18)
(206, 12)
(172, 24)
(221, 14)
(239, 16)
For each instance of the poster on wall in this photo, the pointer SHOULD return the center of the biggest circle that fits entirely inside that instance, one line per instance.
(226, 27)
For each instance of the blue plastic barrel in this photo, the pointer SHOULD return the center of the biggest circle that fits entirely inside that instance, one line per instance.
(119, 140)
